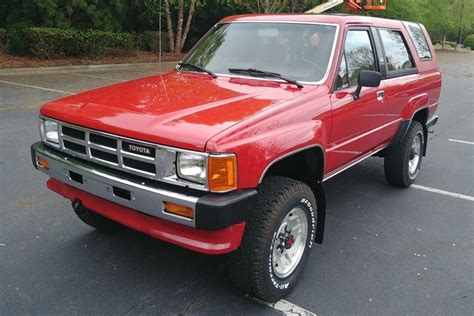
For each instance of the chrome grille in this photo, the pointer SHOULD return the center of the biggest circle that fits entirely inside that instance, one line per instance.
(110, 150)
(133, 156)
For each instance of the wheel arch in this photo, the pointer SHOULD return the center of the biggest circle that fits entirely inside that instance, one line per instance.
(307, 165)
(421, 115)
(305, 154)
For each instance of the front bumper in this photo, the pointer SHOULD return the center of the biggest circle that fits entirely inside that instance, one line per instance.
(212, 212)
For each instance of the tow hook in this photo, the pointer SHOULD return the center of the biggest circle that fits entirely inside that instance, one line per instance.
(77, 206)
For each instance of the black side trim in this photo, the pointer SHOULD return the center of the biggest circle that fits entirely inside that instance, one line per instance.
(219, 211)
(33, 155)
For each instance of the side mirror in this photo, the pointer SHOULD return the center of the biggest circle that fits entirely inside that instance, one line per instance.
(367, 78)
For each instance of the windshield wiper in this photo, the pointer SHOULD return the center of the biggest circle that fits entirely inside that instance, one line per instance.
(181, 65)
(263, 73)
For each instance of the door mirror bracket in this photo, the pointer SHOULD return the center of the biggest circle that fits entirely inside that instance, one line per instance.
(367, 78)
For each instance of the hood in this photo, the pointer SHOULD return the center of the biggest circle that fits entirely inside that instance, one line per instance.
(178, 109)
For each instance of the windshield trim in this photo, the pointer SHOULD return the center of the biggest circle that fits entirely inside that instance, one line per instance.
(328, 68)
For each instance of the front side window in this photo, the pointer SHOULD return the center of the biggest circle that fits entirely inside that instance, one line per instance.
(298, 51)
(419, 39)
(398, 57)
(359, 54)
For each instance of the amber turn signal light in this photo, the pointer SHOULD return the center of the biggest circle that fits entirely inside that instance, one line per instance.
(43, 163)
(222, 173)
(180, 210)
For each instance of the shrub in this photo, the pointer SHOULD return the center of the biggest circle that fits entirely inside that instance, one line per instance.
(16, 38)
(469, 41)
(448, 43)
(49, 43)
(150, 41)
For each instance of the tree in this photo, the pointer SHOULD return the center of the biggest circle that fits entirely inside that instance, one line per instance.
(106, 15)
(277, 6)
(176, 41)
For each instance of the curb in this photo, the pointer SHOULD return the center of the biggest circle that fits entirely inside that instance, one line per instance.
(47, 70)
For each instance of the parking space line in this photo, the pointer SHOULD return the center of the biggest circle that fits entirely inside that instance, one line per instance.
(20, 107)
(437, 191)
(461, 141)
(286, 308)
(34, 87)
(92, 76)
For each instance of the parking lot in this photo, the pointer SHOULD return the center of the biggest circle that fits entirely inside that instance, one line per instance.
(386, 250)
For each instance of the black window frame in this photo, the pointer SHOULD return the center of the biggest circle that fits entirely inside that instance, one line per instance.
(402, 72)
(374, 43)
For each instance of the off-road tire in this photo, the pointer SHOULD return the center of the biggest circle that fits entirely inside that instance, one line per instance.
(99, 222)
(250, 266)
(397, 158)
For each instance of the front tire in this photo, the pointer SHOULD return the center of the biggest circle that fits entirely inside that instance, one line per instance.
(277, 238)
(403, 161)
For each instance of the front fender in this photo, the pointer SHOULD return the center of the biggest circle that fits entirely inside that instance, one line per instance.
(257, 152)
(275, 133)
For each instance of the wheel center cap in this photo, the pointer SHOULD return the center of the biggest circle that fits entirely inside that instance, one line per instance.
(290, 240)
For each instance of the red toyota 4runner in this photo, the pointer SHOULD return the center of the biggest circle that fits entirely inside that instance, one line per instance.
(228, 153)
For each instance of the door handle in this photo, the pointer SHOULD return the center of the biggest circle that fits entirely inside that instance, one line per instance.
(380, 95)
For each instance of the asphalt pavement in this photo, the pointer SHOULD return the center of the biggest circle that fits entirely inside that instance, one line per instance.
(386, 250)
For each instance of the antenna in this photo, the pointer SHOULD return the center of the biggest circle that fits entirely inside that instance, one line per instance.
(160, 36)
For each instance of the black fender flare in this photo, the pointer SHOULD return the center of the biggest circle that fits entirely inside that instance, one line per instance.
(405, 125)
(320, 194)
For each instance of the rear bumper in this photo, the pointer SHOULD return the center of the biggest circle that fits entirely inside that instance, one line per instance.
(219, 219)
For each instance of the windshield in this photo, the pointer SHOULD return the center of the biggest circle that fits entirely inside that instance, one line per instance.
(296, 51)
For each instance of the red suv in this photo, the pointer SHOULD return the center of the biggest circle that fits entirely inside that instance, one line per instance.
(228, 153)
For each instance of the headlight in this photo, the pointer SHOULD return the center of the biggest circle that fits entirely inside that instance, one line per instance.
(192, 167)
(219, 171)
(49, 131)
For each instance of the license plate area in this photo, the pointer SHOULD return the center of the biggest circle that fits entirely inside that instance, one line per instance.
(76, 177)
(102, 189)
(122, 193)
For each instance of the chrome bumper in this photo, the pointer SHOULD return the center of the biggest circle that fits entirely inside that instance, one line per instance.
(211, 211)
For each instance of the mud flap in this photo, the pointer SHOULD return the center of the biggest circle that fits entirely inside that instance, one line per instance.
(320, 193)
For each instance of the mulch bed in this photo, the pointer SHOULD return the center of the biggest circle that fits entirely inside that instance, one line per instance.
(11, 61)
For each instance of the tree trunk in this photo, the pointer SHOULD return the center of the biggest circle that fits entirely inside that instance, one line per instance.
(188, 23)
(266, 8)
(444, 40)
(169, 25)
(179, 27)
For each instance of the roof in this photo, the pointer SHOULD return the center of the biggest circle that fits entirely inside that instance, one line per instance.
(340, 19)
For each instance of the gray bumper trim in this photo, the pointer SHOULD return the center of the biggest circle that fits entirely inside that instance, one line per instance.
(100, 182)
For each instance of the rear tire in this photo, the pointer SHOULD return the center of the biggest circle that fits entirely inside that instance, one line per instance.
(403, 161)
(99, 222)
(276, 241)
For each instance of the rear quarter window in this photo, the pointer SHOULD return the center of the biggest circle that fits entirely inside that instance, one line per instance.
(398, 57)
(420, 41)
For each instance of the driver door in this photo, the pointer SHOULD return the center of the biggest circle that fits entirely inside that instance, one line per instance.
(356, 124)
